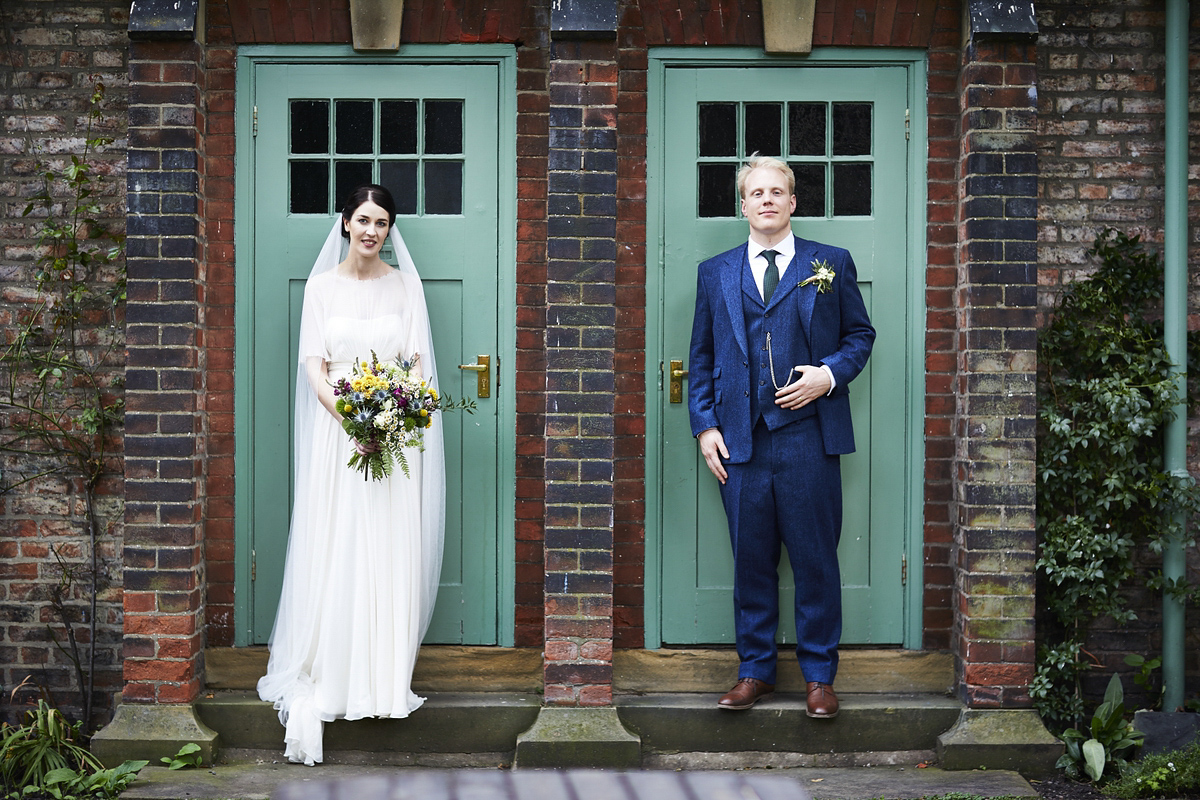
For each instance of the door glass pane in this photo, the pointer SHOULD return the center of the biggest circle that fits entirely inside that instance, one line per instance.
(718, 129)
(400, 178)
(349, 175)
(851, 129)
(443, 187)
(310, 126)
(810, 189)
(355, 126)
(718, 190)
(398, 126)
(851, 190)
(806, 129)
(416, 128)
(309, 190)
(764, 129)
(443, 126)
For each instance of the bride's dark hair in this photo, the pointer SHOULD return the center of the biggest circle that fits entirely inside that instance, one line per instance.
(369, 192)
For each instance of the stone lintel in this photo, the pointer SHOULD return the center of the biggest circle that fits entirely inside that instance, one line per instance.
(1001, 18)
(165, 19)
(1012, 739)
(788, 25)
(375, 24)
(151, 732)
(572, 737)
(583, 19)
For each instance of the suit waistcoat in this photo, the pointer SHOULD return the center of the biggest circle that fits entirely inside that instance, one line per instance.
(788, 345)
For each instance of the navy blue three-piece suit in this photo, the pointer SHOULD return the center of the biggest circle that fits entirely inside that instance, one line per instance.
(784, 478)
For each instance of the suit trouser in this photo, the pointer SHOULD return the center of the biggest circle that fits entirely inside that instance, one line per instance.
(789, 493)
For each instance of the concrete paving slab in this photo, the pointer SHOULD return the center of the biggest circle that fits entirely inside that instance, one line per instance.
(901, 783)
(258, 780)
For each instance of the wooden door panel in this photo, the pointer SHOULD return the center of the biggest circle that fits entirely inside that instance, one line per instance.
(457, 256)
(696, 581)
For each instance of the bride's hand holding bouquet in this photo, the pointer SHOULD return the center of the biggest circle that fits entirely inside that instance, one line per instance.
(385, 407)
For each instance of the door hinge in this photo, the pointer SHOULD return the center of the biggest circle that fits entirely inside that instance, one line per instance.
(904, 569)
(253, 565)
(907, 121)
(254, 127)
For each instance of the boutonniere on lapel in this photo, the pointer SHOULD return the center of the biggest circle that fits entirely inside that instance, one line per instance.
(822, 276)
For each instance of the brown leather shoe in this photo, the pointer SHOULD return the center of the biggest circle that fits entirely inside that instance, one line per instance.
(822, 701)
(745, 693)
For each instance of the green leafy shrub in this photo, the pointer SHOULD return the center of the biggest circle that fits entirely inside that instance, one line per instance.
(1108, 743)
(46, 742)
(1105, 393)
(188, 756)
(45, 758)
(1144, 677)
(67, 784)
(1173, 774)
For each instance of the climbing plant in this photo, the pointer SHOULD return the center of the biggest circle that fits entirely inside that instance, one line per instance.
(60, 403)
(1104, 396)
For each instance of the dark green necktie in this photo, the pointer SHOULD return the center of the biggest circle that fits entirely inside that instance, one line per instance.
(771, 276)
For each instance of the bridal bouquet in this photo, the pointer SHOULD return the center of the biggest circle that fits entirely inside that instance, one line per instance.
(388, 404)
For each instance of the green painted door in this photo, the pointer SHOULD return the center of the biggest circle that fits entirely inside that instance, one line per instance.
(843, 132)
(429, 133)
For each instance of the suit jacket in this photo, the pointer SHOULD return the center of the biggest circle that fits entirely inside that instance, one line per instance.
(835, 323)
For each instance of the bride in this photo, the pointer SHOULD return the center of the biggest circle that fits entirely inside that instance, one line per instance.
(363, 556)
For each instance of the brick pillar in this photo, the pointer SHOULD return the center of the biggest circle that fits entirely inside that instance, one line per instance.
(580, 378)
(994, 537)
(164, 445)
(165, 425)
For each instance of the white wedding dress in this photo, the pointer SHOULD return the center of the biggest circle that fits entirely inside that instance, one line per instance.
(363, 556)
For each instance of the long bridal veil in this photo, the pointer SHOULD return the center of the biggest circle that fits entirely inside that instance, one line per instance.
(292, 637)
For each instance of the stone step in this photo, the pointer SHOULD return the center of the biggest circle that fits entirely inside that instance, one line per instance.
(447, 668)
(477, 722)
(488, 724)
(867, 723)
(481, 700)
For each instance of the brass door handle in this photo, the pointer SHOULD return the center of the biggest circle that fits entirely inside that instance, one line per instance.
(483, 374)
(678, 373)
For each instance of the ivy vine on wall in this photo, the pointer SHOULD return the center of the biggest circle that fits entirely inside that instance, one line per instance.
(1105, 395)
(61, 408)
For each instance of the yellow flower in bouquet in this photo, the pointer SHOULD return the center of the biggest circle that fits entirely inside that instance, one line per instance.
(387, 404)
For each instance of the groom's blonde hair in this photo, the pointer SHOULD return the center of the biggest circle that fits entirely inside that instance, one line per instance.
(764, 162)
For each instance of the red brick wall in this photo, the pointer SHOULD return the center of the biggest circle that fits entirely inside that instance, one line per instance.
(994, 543)
(166, 380)
(941, 338)
(424, 21)
(49, 52)
(1100, 152)
(899, 23)
(533, 134)
(216, 213)
(629, 495)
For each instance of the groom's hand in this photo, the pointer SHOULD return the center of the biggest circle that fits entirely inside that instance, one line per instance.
(712, 447)
(813, 383)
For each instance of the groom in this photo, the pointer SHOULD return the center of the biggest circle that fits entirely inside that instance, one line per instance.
(780, 331)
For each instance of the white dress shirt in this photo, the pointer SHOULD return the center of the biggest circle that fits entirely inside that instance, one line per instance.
(758, 262)
(758, 268)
